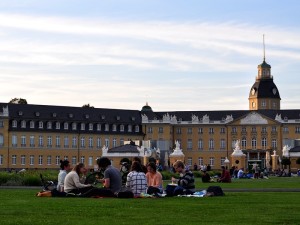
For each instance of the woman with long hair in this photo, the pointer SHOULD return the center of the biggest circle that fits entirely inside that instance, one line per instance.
(136, 179)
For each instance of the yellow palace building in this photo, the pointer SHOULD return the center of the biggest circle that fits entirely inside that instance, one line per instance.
(38, 136)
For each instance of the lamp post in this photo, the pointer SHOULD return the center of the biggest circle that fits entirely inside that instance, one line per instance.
(226, 162)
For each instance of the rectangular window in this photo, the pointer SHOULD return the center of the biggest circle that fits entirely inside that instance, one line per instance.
(14, 159)
(66, 157)
(190, 144)
(14, 140)
(74, 142)
(114, 142)
(211, 130)
(274, 143)
(233, 130)
(150, 130)
(189, 161)
(82, 158)
(285, 129)
(121, 141)
(106, 142)
(200, 144)
(222, 161)
(82, 142)
(200, 130)
(40, 160)
(66, 142)
(74, 160)
(297, 130)
(178, 130)
(200, 161)
(49, 160)
(31, 160)
(212, 161)
(1, 159)
(222, 131)
(90, 161)
(223, 144)
(23, 141)
(1, 123)
(49, 142)
(23, 161)
(160, 130)
(274, 129)
(31, 141)
(99, 142)
(211, 144)
(57, 140)
(41, 141)
(189, 130)
(91, 142)
(57, 160)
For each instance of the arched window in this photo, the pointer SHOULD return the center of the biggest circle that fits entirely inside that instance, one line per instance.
(253, 143)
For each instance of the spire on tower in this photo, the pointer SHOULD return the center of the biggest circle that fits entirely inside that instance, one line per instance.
(264, 47)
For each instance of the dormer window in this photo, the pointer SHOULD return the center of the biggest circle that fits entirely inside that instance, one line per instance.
(20, 113)
(53, 114)
(118, 118)
(70, 115)
(122, 128)
(91, 127)
(66, 126)
(49, 125)
(114, 127)
(285, 119)
(137, 128)
(74, 126)
(31, 124)
(129, 128)
(23, 124)
(57, 125)
(14, 123)
(41, 125)
(87, 116)
(102, 117)
(133, 118)
(82, 126)
(106, 127)
(98, 127)
(37, 114)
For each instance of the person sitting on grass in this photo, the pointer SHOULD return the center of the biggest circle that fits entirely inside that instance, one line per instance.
(205, 177)
(186, 181)
(154, 180)
(136, 179)
(225, 176)
(59, 191)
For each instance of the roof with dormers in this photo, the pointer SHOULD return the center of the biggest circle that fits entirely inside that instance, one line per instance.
(264, 88)
(129, 148)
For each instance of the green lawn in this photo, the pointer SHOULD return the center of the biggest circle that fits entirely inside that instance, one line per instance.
(20, 206)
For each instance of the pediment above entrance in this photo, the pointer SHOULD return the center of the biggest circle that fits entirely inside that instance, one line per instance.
(253, 118)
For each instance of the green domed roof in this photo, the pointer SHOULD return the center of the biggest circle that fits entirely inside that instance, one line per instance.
(264, 65)
(146, 108)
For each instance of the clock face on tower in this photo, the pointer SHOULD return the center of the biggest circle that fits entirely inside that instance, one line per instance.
(274, 91)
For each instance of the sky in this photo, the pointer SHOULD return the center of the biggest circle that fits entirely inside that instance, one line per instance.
(176, 55)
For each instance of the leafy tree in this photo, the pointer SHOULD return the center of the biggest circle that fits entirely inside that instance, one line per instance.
(18, 101)
(87, 106)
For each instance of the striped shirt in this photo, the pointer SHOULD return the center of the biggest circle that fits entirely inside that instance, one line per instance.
(187, 181)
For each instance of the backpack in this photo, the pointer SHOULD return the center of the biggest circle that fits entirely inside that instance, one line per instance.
(216, 190)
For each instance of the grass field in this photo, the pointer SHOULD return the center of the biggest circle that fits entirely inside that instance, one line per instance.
(20, 206)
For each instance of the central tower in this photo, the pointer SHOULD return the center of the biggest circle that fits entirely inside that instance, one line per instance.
(264, 93)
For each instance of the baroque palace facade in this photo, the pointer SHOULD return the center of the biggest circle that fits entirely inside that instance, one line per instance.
(38, 136)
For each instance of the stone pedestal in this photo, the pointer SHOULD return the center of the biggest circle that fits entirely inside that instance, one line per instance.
(275, 165)
(241, 159)
(174, 158)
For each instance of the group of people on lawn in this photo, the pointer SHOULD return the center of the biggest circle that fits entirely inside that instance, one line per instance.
(140, 180)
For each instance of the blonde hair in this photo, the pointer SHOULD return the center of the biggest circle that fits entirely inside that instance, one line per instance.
(179, 163)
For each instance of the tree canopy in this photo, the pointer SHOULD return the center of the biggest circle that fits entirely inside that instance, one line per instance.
(18, 101)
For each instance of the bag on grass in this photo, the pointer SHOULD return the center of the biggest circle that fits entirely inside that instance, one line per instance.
(216, 190)
(124, 193)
